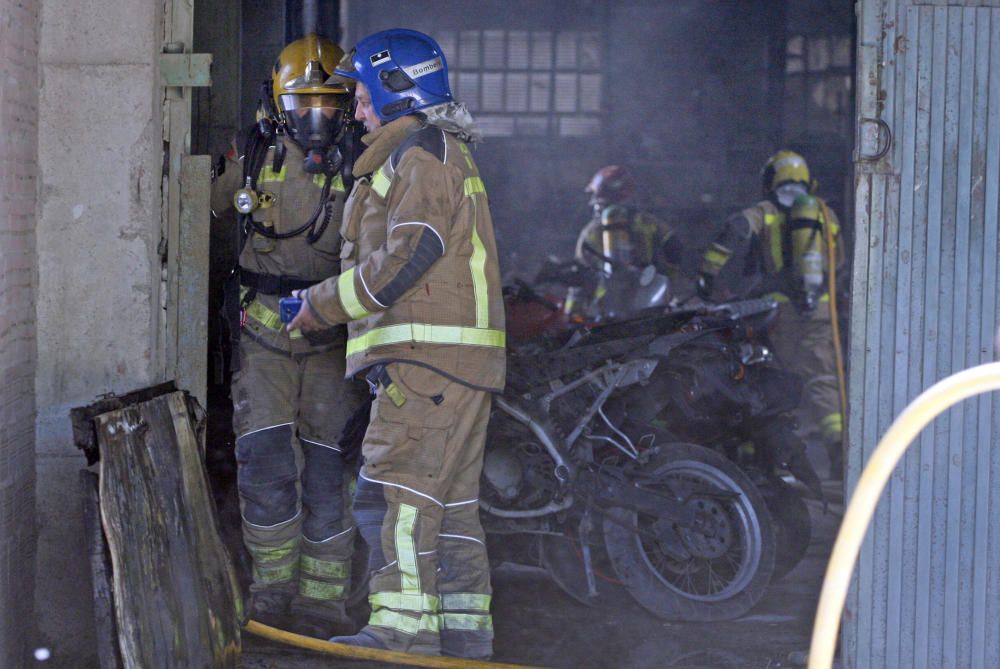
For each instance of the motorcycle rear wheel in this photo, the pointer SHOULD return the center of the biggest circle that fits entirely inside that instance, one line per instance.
(731, 550)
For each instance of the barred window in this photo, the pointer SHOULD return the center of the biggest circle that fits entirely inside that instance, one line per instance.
(528, 82)
(818, 81)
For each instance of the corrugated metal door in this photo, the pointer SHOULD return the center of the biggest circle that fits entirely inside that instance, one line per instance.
(927, 589)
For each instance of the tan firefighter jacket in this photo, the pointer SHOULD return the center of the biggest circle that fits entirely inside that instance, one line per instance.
(421, 281)
(288, 199)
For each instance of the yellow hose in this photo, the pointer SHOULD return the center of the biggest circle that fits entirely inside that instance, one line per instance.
(373, 654)
(838, 353)
(890, 449)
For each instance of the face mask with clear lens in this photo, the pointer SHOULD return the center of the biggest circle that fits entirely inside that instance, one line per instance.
(786, 193)
(314, 121)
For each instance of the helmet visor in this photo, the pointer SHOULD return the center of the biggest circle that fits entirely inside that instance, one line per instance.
(314, 120)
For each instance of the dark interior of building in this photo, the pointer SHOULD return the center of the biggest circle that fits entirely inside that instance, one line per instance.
(692, 96)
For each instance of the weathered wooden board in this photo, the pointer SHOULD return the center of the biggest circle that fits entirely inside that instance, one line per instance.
(100, 571)
(177, 600)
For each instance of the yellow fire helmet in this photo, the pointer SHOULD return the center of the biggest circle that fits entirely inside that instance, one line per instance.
(303, 68)
(310, 105)
(785, 167)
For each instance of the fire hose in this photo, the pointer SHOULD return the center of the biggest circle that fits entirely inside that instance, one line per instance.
(907, 426)
(372, 654)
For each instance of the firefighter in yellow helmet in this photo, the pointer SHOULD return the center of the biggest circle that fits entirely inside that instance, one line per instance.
(777, 248)
(279, 196)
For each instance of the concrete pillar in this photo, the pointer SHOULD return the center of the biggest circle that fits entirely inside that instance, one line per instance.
(18, 268)
(99, 304)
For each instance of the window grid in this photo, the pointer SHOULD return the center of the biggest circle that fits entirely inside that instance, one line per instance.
(528, 82)
(818, 82)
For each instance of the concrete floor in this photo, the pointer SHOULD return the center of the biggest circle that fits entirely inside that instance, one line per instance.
(536, 624)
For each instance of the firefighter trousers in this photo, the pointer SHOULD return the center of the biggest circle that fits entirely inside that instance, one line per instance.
(416, 505)
(803, 343)
(288, 413)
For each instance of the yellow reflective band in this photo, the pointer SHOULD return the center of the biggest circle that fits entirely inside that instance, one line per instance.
(404, 623)
(716, 258)
(426, 334)
(270, 575)
(474, 185)
(463, 147)
(776, 254)
(321, 589)
(268, 318)
(832, 425)
(268, 174)
(771, 219)
(405, 602)
(477, 265)
(349, 296)
(465, 601)
(381, 183)
(272, 554)
(778, 297)
(470, 622)
(337, 184)
(406, 549)
(324, 568)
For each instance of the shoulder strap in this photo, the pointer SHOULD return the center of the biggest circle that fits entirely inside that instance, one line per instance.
(431, 139)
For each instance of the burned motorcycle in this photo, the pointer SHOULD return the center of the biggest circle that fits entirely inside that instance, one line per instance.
(602, 500)
(719, 389)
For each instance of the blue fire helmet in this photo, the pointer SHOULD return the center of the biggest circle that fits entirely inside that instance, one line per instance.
(403, 70)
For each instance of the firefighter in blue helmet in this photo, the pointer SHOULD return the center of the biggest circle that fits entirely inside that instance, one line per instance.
(420, 291)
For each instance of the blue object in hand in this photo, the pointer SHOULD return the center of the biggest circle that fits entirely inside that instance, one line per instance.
(288, 307)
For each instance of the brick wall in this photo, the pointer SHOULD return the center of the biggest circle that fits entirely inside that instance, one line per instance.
(18, 267)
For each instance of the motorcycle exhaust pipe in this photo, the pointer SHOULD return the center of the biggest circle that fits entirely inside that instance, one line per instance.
(551, 507)
(563, 470)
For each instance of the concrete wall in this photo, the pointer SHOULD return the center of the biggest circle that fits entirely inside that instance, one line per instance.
(98, 306)
(18, 177)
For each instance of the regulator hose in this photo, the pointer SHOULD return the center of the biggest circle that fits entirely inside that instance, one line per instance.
(373, 654)
(907, 426)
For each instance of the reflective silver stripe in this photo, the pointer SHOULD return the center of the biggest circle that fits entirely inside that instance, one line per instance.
(468, 501)
(262, 429)
(323, 541)
(271, 527)
(460, 537)
(397, 485)
(426, 225)
(364, 284)
(316, 443)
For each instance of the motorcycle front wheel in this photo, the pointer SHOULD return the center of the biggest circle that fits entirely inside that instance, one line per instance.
(730, 545)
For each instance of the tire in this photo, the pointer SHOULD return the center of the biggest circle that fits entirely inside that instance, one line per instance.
(732, 559)
(792, 527)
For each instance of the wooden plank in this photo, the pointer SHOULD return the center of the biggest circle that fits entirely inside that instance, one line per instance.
(176, 593)
(100, 571)
(192, 282)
